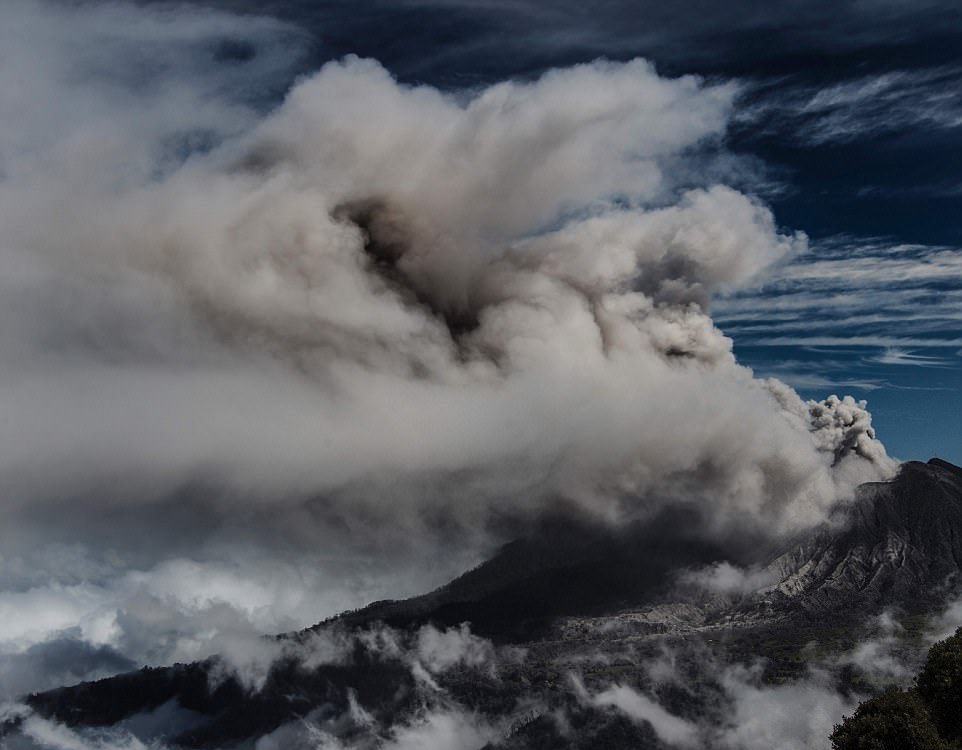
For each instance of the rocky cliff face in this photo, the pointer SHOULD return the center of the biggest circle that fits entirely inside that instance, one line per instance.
(899, 542)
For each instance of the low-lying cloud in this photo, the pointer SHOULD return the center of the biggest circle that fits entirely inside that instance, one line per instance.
(684, 696)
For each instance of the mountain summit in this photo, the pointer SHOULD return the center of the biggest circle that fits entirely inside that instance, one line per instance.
(899, 543)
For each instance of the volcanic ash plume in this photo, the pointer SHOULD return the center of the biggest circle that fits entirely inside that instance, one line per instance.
(489, 301)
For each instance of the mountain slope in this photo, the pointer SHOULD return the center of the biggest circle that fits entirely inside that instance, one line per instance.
(565, 568)
(900, 541)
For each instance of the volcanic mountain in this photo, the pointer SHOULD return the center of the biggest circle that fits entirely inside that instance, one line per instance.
(561, 593)
(899, 543)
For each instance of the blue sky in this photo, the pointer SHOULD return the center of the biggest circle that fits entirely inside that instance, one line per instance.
(850, 123)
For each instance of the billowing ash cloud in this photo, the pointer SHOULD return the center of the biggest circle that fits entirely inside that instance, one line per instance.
(374, 316)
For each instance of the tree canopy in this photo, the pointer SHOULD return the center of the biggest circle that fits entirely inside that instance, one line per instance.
(925, 717)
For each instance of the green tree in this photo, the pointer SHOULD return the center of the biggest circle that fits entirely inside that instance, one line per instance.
(940, 685)
(894, 720)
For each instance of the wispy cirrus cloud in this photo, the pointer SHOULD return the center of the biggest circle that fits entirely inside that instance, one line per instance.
(858, 108)
(896, 356)
(846, 292)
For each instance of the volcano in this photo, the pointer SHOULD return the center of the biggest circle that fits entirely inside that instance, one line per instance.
(554, 596)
